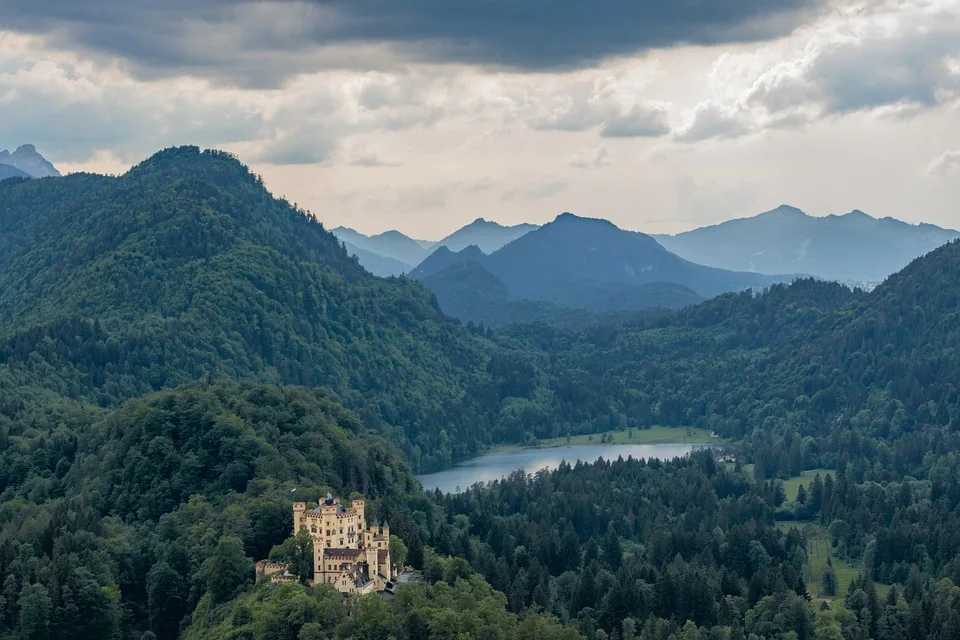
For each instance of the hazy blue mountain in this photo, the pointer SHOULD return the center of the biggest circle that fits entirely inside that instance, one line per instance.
(466, 290)
(7, 171)
(375, 263)
(544, 263)
(853, 247)
(577, 263)
(27, 160)
(394, 245)
(443, 257)
(488, 236)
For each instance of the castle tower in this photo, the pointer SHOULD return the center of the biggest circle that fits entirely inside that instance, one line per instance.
(359, 506)
(299, 509)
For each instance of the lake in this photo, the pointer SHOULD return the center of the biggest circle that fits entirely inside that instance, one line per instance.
(493, 466)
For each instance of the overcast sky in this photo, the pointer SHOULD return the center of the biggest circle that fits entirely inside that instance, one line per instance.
(422, 115)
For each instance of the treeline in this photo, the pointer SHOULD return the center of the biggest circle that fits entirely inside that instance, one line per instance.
(689, 549)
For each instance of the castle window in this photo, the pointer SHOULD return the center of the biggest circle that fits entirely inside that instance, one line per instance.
(313, 529)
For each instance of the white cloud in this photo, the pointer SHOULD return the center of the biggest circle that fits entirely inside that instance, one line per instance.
(886, 57)
(591, 158)
(944, 164)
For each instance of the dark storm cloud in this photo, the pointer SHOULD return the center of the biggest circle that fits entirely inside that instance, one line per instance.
(262, 42)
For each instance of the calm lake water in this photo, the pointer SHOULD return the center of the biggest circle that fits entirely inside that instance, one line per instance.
(493, 466)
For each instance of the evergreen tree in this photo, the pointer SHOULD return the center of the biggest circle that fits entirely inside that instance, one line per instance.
(828, 582)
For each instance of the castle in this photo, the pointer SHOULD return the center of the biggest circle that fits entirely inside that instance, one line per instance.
(349, 555)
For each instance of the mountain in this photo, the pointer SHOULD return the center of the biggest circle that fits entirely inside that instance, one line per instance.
(409, 253)
(186, 266)
(853, 247)
(466, 290)
(573, 263)
(542, 263)
(377, 264)
(390, 244)
(486, 235)
(7, 171)
(444, 257)
(586, 263)
(27, 160)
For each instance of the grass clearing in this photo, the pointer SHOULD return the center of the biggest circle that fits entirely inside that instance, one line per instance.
(792, 485)
(818, 550)
(653, 435)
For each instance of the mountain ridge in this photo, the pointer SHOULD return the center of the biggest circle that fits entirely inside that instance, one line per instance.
(849, 247)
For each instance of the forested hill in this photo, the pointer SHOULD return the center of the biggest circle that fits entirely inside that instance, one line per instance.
(810, 360)
(111, 288)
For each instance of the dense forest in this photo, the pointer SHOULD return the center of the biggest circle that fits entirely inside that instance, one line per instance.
(180, 351)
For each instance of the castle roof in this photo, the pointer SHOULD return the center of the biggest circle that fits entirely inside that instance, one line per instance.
(342, 554)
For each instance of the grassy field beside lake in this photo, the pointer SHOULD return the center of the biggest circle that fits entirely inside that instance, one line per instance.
(653, 435)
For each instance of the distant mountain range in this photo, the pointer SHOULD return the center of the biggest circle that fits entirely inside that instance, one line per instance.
(853, 247)
(576, 263)
(392, 253)
(25, 162)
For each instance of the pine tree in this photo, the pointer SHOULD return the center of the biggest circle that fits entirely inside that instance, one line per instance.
(829, 580)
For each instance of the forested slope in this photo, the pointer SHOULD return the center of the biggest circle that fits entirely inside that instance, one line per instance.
(115, 287)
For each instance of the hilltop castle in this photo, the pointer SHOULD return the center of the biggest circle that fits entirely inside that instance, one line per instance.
(347, 554)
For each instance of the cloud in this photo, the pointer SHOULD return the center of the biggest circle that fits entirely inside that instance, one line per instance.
(591, 158)
(608, 99)
(894, 58)
(265, 42)
(537, 191)
(944, 164)
(73, 108)
(714, 120)
(641, 121)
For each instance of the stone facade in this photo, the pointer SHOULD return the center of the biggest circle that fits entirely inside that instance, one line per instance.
(348, 554)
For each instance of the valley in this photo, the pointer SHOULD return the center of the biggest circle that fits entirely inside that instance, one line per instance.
(188, 362)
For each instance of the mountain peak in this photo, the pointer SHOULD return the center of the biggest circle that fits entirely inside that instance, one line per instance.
(220, 167)
(784, 211)
(27, 160)
(567, 218)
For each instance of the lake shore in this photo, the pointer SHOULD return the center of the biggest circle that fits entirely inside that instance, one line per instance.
(499, 464)
(653, 435)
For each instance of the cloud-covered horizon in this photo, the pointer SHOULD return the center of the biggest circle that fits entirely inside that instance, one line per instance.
(380, 115)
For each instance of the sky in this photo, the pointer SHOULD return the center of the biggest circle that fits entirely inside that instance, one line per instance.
(423, 115)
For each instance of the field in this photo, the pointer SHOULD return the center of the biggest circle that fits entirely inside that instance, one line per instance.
(792, 485)
(818, 548)
(653, 435)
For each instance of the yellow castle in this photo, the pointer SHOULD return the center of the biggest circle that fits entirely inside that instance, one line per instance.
(347, 554)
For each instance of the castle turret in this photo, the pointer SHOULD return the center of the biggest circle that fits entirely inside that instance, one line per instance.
(299, 509)
(358, 505)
